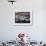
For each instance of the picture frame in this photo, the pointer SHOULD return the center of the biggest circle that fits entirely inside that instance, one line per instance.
(23, 18)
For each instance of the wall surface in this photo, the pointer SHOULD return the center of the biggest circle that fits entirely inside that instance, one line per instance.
(8, 30)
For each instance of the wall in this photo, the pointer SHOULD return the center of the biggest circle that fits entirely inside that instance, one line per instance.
(9, 31)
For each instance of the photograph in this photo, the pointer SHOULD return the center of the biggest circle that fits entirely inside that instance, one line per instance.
(23, 18)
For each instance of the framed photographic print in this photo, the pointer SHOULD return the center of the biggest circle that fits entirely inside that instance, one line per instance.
(23, 18)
